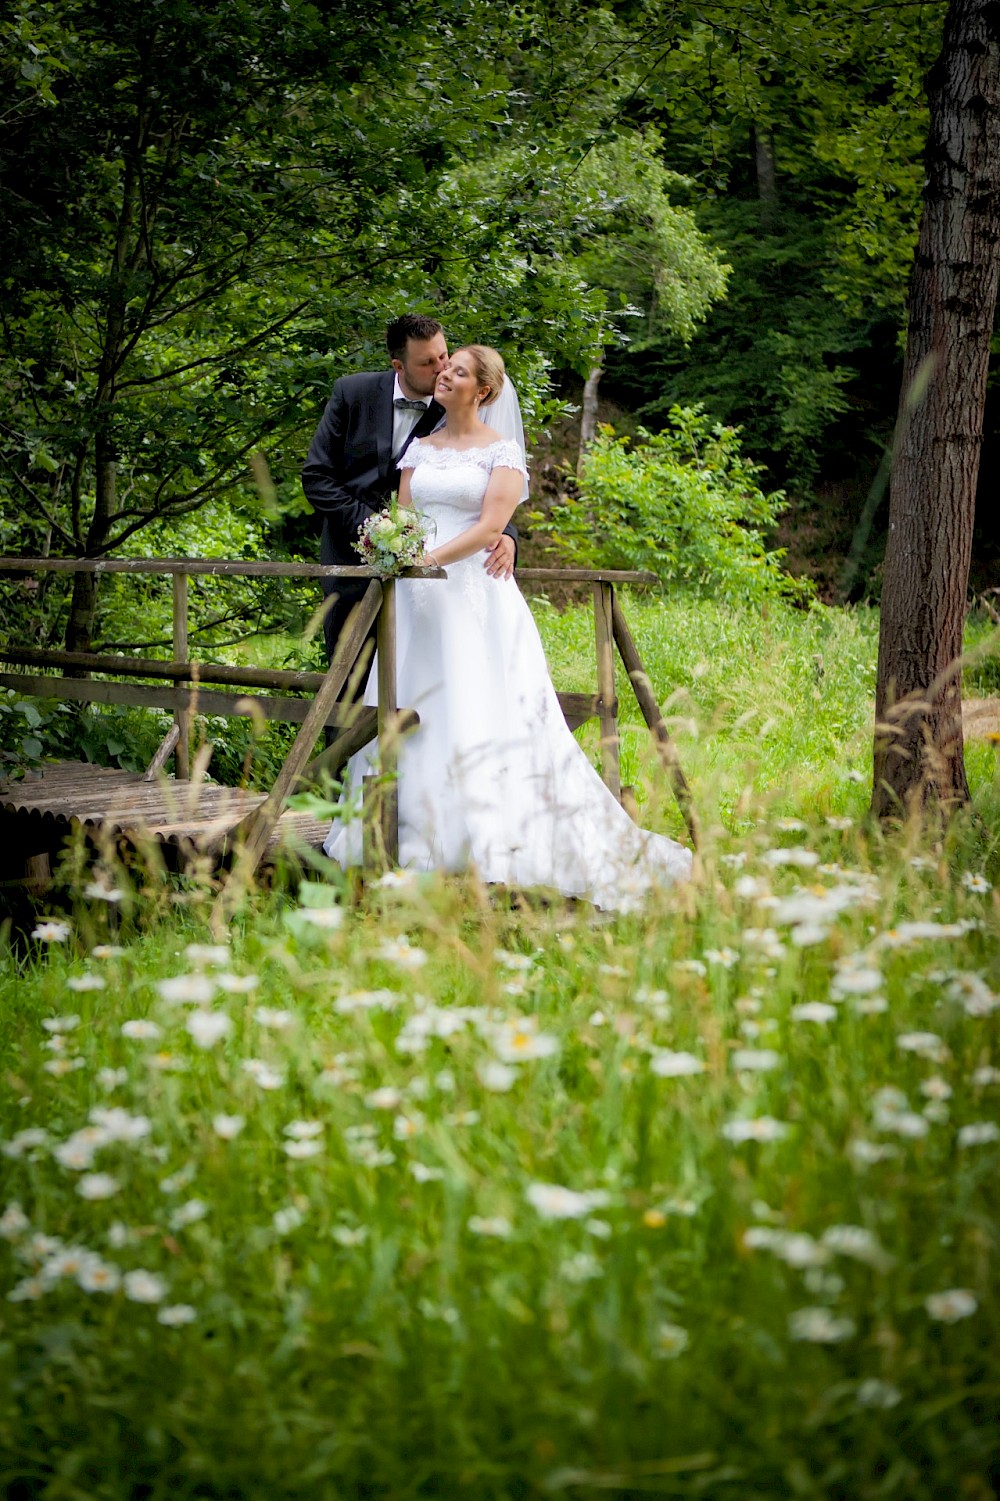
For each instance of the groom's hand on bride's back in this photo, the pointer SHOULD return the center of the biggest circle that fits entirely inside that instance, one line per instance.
(502, 556)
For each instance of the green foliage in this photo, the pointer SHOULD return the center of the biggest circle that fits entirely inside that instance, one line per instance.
(658, 271)
(834, 95)
(780, 357)
(981, 677)
(34, 731)
(802, 131)
(215, 256)
(685, 504)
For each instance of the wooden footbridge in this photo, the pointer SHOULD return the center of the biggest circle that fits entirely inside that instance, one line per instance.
(190, 816)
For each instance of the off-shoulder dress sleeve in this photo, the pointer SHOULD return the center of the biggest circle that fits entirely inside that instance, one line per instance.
(507, 454)
(410, 459)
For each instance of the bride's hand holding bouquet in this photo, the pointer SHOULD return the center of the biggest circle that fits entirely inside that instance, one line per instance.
(393, 539)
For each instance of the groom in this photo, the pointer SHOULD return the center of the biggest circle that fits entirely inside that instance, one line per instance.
(352, 466)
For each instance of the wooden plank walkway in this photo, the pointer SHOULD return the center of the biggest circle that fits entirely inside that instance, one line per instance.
(193, 817)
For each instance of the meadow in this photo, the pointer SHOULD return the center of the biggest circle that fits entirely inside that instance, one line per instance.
(436, 1191)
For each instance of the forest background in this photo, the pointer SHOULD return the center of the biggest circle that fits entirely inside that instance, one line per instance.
(208, 214)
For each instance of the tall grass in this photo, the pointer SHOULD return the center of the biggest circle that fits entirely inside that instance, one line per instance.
(772, 710)
(438, 1192)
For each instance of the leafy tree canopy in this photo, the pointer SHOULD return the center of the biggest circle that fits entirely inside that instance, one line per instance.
(209, 211)
(803, 129)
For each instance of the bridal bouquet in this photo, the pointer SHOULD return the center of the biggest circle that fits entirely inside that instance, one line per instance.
(392, 539)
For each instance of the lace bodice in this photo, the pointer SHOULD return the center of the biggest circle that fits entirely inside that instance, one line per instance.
(448, 484)
(503, 454)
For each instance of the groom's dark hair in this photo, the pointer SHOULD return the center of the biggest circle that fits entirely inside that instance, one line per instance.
(410, 326)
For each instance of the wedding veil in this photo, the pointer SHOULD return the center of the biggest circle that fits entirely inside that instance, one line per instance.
(504, 415)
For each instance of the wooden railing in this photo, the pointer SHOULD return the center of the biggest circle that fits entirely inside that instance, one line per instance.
(186, 694)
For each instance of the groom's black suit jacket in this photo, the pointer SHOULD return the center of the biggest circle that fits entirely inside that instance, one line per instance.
(349, 473)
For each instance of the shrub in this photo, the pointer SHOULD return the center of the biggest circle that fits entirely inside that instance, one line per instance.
(684, 504)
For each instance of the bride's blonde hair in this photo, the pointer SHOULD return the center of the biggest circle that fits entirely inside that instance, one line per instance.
(489, 367)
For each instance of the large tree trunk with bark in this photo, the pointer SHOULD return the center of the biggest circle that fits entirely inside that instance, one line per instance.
(953, 292)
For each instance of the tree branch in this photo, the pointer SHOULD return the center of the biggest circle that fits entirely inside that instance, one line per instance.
(35, 501)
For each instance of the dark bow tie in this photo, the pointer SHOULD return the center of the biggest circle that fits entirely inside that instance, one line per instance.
(402, 404)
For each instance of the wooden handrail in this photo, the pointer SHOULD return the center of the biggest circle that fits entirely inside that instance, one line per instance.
(230, 568)
(157, 667)
(204, 568)
(587, 575)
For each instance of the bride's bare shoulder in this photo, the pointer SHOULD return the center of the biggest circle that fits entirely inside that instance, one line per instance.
(492, 436)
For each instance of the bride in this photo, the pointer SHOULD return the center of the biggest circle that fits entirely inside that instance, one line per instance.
(492, 778)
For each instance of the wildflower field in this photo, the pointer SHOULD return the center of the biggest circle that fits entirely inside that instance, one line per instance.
(442, 1192)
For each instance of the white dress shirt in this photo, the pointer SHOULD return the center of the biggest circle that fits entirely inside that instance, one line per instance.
(403, 419)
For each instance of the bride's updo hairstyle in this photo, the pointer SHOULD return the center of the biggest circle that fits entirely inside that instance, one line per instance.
(489, 368)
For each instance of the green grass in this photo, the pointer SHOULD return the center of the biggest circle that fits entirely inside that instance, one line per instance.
(396, 1316)
(772, 711)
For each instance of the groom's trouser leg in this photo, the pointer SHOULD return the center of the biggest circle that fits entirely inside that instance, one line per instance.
(347, 592)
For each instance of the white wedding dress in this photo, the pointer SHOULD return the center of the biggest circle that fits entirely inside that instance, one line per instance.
(492, 778)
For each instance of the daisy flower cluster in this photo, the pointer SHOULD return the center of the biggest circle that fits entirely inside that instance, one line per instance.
(759, 1129)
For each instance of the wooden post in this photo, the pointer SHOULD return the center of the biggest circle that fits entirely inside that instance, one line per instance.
(388, 727)
(182, 717)
(603, 606)
(354, 737)
(162, 754)
(255, 831)
(646, 699)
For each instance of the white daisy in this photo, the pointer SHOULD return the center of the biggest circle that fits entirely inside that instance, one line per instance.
(206, 1028)
(60, 1023)
(519, 1040)
(188, 1214)
(237, 984)
(97, 1186)
(176, 1314)
(978, 1134)
(950, 1306)
(402, 953)
(216, 954)
(14, 1223)
(759, 1128)
(670, 1065)
(819, 1326)
(144, 1287)
(51, 930)
(490, 1225)
(272, 1018)
(141, 1029)
(263, 1074)
(551, 1201)
(755, 1060)
(814, 1011)
(385, 1098)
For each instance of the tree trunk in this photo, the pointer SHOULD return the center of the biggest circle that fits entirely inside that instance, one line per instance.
(128, 253)
(588, 414)
(83, 603)
(767, 186)
(953, 293)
